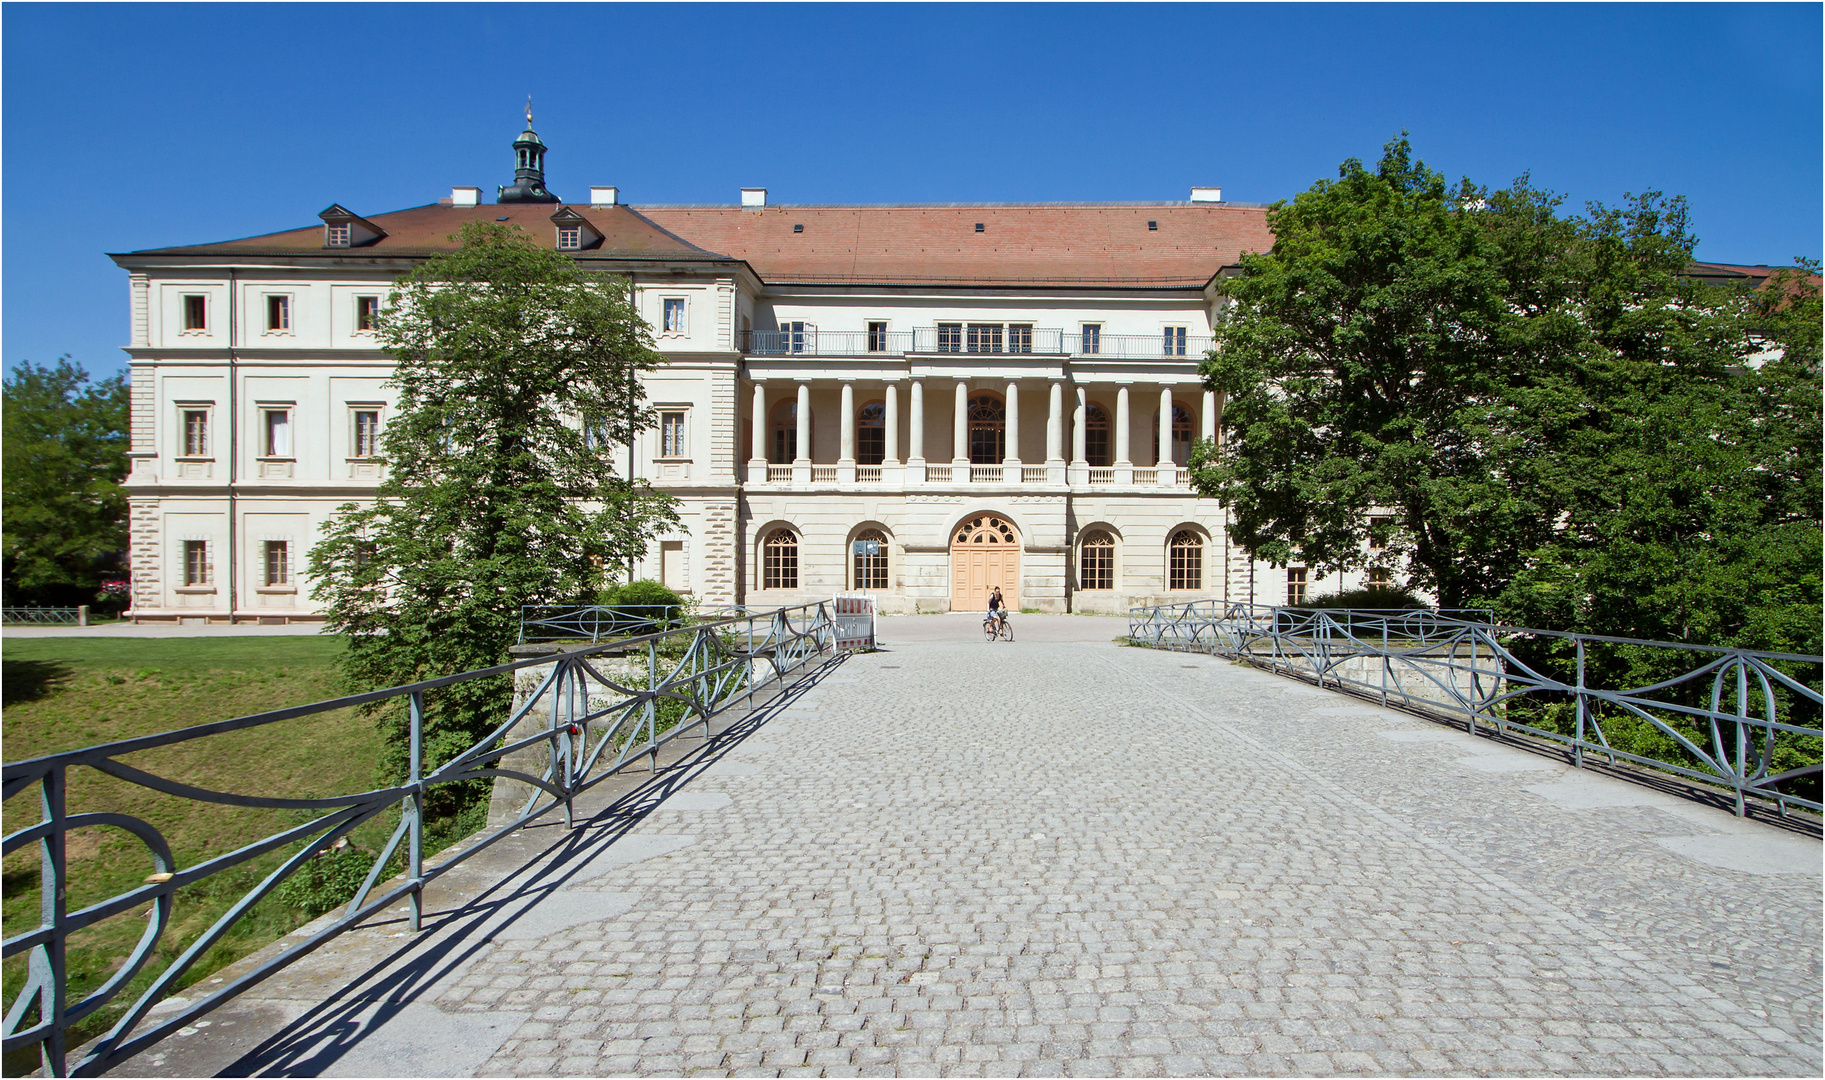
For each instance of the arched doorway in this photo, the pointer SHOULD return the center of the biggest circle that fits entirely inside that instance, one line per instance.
(985, 552)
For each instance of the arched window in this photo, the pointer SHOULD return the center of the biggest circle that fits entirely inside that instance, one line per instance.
(1181, 435)
(1185, 561)
(871, 434)
(1096, 561)
(779, 560)
(988, 428)
(868, 556)
(785, 432)
(1096, 436)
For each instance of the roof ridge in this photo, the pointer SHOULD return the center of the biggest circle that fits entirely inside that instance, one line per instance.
(1084, 205)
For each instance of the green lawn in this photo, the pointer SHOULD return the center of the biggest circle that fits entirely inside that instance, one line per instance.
(66, 693)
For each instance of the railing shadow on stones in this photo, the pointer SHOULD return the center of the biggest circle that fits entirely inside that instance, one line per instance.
(596, 724)
(1744, 720)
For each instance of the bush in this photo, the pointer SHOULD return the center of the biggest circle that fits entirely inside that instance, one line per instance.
(1372, 597)
(328, 879)
(655, 606)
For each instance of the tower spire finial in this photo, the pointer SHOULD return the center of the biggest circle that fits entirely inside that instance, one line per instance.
(528, 110)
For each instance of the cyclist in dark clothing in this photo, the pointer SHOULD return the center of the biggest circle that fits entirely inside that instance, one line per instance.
(997, 610)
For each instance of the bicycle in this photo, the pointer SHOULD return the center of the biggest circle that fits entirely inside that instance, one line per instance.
(993, 627)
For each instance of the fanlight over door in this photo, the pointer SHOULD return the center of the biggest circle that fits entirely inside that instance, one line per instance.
(985, 552)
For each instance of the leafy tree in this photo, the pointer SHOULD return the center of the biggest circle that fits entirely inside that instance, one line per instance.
(65, 455)
(1534, 411)
(516, 374)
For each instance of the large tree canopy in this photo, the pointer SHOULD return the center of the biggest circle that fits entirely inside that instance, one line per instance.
(65, 455)
(1537, 412)
(516, 379)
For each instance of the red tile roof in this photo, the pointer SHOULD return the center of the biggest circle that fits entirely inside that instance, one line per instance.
(1049, 244)
(425, 230)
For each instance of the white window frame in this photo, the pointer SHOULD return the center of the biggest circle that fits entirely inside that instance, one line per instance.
(266, 313)
(182, 450)
(684, 316)
(1087, 331)
(359, 329)
(682, 451)
(868, 326)
(356, 408)
(570, 238)
(183, 315)
(264, 432)
(289, 583)
(338, 234)
(207, 582)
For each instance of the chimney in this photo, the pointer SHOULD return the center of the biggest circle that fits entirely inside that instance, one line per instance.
(604, 196)
(1206, 194)
(754, 196)
(465, 196)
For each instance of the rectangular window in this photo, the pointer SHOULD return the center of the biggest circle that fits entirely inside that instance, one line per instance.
(196, 432)
(674, 316)
(338, 234)
(877, 337)
(1092, 339)
(1378, 532)
(1295, 584)
(792, 337)
(1020, 337)
(1379, 578)
(196, 562)
(278, 313)
(985, 337)
(367, 314)
(1175, 341)
(276, 430)
(950, 337)
(570, 238)
(278, 563)
(671, 434)
(196, 313)
(366, 424)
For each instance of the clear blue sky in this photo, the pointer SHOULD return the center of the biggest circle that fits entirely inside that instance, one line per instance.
(134, 126)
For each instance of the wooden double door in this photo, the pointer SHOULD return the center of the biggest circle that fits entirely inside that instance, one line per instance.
(985, 552)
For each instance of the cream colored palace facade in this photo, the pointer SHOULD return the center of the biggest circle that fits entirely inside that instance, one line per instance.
(914, 401)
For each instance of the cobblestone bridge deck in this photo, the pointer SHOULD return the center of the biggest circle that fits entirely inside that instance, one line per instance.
(1063, 857)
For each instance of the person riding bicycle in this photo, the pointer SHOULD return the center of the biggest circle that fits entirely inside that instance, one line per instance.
(998, 611)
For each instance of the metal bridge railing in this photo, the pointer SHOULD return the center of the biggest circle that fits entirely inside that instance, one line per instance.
(596, 622)
(1737, 718)
(597, 724)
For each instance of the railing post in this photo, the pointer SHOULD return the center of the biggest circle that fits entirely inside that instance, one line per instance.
(652, 704)
(1578, 734)
(1740, 774)
(415, 806)
(49, 957)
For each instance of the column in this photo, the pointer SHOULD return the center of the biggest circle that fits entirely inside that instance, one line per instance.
(916, 423)
(1121, 425)
(846, 443)
(845, 463)
(891, 437)
(960, 429)
(1080, 417)
(803, 457)
(1209, 424)
(1055, 425)
(757, 456)
(1165, 427)
(1011, 448)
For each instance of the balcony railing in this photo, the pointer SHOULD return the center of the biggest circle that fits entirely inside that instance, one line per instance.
(986, 474)
(973, 338)
(868, 474)
(1101, 475)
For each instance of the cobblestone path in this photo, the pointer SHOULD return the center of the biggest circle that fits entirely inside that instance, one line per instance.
(1068, 858)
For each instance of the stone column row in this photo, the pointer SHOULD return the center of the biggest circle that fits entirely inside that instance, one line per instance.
(960, 448)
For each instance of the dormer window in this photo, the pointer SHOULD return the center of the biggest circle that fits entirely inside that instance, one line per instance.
(570, 238)
(343, 228)
(336, 234)
(575, 232)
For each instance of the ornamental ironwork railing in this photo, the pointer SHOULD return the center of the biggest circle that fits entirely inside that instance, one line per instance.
(44, 616)
(596, 622)
(1740, 719)
(598, 717)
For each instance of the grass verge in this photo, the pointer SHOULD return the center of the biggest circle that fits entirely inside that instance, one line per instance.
(66, 693)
